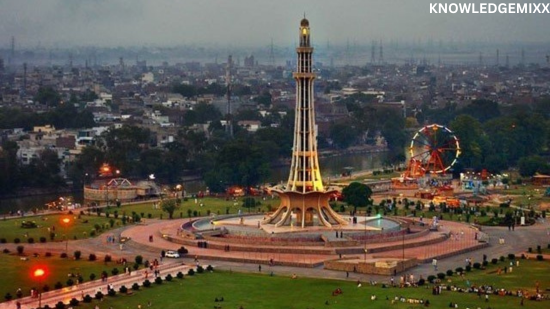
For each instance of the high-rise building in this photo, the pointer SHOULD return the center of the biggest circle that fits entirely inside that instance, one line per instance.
(304, 199)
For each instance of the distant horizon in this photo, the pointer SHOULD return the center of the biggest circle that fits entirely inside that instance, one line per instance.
(250, 23)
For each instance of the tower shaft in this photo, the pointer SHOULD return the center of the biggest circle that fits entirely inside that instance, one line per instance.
(305, 175)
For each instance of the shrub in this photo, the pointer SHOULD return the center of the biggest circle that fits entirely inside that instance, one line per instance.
(60, 305)
(6, 250)
(511, 256)
(123, 289)
(92, 277)
(210, 268)
(107, 258)
(502, 258)
(431, 278)
(20, 249)
(48, 254)
(92, 257)
(8, 297)
(449, 273)
(47, 307)
(63, 255)
(139, 259)
(111, 292)
(98, 295)
(135, 286)
(421, 282)
(114, 271)
(74, 302)
(158, 280)
(77, 254)
(87, 298)
(168, 277)
(477, 265)
(70, 282)
(146, 283)
(191, 272)
(3, 240)
(58, 285)
(540, 257)
(485, 263)
(179, 275)
(441, 276)
(182, 250)
(16, 240)
(200, 270)
(494, 261)
(30, 240)
(45, 288)
(42, 239)
(459, 270)
(468, 268)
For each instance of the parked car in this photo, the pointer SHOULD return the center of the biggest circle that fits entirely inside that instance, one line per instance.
(172, 254)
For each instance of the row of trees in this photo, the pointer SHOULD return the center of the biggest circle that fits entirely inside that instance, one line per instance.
(498, 140)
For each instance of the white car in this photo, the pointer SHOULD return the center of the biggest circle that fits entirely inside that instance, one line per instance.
(172, 254)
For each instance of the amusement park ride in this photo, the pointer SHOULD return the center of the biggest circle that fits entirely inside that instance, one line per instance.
(433, 150)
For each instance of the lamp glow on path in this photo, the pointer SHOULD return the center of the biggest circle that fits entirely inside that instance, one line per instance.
(66, 221)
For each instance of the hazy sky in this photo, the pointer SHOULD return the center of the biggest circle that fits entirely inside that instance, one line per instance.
(251, 22)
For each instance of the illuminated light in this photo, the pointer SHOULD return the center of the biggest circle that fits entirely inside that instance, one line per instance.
(66, 220)
(304, 31)
(39, 273)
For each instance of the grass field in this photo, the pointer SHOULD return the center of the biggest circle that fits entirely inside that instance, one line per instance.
(266, 292)
(202, 207)
(16, 273)
(79, 227)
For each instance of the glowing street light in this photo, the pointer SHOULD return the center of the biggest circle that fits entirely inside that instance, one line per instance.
(38, 274)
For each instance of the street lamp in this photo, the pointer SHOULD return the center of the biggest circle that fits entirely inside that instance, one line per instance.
(38, 274)
(66, 221)
(365, 240)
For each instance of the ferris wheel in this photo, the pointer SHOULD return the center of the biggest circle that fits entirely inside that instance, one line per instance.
(434, 148)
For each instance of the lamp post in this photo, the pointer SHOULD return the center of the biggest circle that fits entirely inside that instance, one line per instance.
(365, 240)
(66, 221)
(403, 248)
(39, 274)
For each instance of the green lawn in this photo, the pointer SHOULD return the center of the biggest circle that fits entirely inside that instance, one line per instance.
(79, 227)
(209, 204)
(264, 291)
(16, 273)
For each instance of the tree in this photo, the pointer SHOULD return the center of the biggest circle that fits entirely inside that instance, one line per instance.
(482, 110)
(47, 96)
(343, 135)
(528, 166)
(357, 195)
(169, 206)
(249, 202)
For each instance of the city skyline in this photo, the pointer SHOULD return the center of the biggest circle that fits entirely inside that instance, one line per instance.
(103, 23)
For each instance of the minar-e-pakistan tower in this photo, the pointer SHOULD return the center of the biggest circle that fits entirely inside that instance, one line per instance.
(304, 199)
